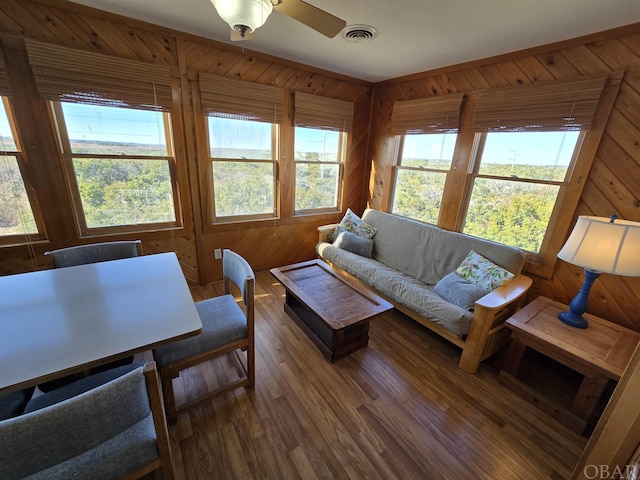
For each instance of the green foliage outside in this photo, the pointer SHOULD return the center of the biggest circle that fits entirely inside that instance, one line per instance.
(243, 188)
(503, 210)
(16, 216)
(513, 213)
(419, 193)
(124, 192)
(316, 186)
(132, 191)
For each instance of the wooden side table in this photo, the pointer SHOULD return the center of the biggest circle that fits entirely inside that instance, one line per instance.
(600, 353)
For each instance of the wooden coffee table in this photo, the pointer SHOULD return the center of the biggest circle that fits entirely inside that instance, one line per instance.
(332, 309)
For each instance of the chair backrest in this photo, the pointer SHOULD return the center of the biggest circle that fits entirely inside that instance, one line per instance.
(13, 404)
(94, 253)
(238, 270)
(111, 430)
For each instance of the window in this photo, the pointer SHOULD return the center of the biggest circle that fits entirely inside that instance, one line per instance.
(423, 163)
(16, 213)
(243, 125)
(318, 155)
(119, 165)
(243, 164)
(516, 182)
(528, 139)
(427, 134)
(506, 164)
(114, 125)
(321, 130)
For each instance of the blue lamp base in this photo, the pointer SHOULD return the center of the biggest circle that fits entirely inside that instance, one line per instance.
(579, 304)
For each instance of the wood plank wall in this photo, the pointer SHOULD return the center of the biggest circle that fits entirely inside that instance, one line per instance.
(265, 245)
(613, 184)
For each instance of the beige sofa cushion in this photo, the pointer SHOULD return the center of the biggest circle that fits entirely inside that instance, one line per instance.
(428, 253)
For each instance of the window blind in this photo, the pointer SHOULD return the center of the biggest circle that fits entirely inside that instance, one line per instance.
(70, 75)
(235, 99)
(324, 113)
(545, 106)
(427, 115)
(5, 85)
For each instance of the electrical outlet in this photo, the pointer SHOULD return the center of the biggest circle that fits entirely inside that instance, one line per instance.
(217, 254)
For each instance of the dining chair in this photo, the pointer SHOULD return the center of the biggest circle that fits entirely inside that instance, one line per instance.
(226, 328)
(82, 255)
(94, 252)
(115, 430)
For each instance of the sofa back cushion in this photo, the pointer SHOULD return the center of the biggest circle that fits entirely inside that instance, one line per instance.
(428, 253)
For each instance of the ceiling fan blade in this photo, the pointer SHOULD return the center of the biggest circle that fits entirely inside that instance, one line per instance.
(237, 37)
(321, 21)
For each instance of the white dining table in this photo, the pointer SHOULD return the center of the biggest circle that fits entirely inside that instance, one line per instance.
(66, 320)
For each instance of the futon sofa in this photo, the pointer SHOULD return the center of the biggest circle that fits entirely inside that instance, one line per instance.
(409, 258)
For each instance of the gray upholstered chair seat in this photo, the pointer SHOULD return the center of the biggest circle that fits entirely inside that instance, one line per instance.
(13, 404)
(223, 322)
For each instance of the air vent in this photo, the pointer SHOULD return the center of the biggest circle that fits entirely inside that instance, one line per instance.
(359, 33)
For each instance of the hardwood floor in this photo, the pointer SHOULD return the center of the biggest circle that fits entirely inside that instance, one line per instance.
(397, 409)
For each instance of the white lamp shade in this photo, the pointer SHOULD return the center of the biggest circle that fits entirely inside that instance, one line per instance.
(249, 13)
(602, 246)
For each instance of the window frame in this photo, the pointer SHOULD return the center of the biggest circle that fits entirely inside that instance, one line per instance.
(67, 160)
(397, 167)
(275, 148)
(563, 185)
(343, 138)
(21, 159)
(563, 216)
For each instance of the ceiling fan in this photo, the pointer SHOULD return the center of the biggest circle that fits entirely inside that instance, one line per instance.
(245, 16)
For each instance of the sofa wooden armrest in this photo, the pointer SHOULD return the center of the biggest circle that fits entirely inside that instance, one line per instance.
(325, 230)
(487, 333)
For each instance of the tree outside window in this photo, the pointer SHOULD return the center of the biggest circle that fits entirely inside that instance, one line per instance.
(243, 159)
(119, 161)
(423, 163)
(16, 213)
(516, 182)
(318, 156)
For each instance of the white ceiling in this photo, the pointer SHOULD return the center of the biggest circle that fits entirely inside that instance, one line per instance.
(414, 35)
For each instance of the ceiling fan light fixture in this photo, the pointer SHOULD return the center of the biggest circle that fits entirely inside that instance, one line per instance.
(243, 15)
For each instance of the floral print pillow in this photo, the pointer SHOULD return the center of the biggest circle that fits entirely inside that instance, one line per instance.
(483, 272)
(354, 224)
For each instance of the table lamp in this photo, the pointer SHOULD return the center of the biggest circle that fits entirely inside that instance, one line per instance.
(600, 245)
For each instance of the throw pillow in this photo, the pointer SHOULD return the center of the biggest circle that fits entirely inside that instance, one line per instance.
(455, 289)
(353, 243)
(354, 224)
(483, 272)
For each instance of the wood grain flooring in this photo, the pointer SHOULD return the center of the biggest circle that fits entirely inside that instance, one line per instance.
(397, 409)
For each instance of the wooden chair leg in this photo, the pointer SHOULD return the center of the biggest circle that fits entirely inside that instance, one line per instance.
(167, 393)
(251, 367)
